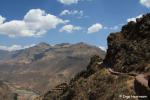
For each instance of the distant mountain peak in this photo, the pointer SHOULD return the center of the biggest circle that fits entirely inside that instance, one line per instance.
(43, 44)
(81, 43)
(63, 45)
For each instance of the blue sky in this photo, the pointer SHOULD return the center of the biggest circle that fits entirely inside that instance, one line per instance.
(27, 22)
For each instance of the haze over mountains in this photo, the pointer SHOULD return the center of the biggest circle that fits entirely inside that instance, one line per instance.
(42, 67)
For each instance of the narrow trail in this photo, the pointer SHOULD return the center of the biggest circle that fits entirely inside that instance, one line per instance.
(120, 73)
(140, 78)
(140, 83)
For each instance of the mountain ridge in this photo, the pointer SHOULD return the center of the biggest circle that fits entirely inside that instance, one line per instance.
(46, 65)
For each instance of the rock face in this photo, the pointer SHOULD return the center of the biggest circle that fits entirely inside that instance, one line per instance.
(42, 67)
(129, 50)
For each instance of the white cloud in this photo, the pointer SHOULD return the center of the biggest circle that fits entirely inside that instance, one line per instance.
(2, 19)
(95, 28)
(103, 48)
(14, 47)
(68, 2)
(134, 18)
(111, 28)
(70, 28)
(145, 3)
(35, 23)
(72, 12)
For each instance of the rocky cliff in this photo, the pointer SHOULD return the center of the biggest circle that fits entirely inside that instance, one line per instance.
(129, 49)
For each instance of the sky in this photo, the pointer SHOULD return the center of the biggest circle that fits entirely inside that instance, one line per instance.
(24, 23)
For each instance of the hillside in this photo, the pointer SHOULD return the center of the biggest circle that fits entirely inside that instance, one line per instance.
(123, 74)
(44, 66)
(3, 54)
(96, 83)
(6, 93)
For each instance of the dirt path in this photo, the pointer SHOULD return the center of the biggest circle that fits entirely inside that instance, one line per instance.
(140, 78)
(120, 73)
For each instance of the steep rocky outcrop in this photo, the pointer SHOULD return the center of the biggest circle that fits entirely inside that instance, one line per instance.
(129, 49)
(122, 75)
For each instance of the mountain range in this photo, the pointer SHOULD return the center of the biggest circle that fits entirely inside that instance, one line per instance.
(43, 66)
